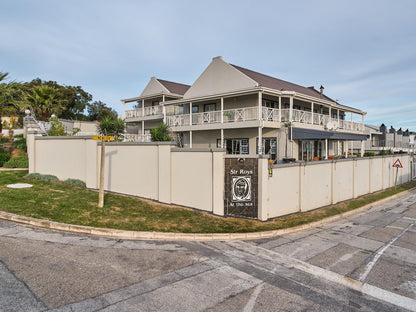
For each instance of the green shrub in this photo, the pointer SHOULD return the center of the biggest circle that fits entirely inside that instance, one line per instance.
(4, 157)
(369, 154)
(161, 133)
(21, 144)
(48, 178)
(17, 162)
(75, 183)
(35, 176)
(19, 136)
(57, 128)
(43, 177)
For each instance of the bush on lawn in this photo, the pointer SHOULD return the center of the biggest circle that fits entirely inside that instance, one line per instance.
(4, 157)
(17, 162)
(75, 183)
(21, 144)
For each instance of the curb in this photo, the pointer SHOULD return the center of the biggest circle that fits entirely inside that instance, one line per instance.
(105, 232)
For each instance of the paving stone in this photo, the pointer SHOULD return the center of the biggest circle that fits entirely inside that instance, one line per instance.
(15, 296)
(378, 219)
(213, 287)
(342, 259)
(351, 227)
(351, 240)
(394, 275)
(305, 248)
(381, 234)
(407, 240)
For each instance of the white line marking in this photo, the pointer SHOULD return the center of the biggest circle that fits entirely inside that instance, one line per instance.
(373, 291)
(371, 264)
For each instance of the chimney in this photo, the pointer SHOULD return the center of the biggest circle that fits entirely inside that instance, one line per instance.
(322, 90)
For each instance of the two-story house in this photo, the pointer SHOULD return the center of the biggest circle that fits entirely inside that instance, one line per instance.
(149, 110)
(246, 112)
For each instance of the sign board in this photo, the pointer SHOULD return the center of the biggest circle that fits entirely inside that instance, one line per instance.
(397, 164)
(103, 138)
(241, 187)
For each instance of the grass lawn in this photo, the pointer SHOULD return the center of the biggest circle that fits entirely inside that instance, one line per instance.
(66, 204)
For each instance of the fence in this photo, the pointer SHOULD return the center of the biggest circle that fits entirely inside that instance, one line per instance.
(157, 171)
(196, 177)
(306, 186)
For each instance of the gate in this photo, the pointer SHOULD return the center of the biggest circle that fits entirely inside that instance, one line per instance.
(241, 187)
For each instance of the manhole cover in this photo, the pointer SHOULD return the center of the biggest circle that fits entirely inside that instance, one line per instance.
(19, 185)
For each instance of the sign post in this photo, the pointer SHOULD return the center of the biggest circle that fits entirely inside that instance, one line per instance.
(397, 164)
(103, 139)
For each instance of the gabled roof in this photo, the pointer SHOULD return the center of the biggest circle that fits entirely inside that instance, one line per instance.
(281, 85)
(174, 87)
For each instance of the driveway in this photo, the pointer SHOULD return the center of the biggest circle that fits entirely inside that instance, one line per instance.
(366, 262)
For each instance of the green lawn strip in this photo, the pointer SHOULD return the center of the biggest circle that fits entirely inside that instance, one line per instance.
(66, 204)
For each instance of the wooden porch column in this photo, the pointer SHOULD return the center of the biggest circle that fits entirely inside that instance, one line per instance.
(312, 112)
(124, 103)
(280, 109)
(190, 139)
(330, 116)
(222, 138)
(164, 109)
(326, 148)
(222, 110)
(142, 127)
(291, 109)
(143, 108)
(190, 113)
(362, 148)
(260, 139)
(338, 116)
(346, 148)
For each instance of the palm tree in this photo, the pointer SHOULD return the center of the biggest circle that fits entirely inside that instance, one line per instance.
(44, 100)
(12, 96)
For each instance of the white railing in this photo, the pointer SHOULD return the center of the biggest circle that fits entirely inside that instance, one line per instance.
(138, 138)
(147, 111)
(268, 114)
(229, 115)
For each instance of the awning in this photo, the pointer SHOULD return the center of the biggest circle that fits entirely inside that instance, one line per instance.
(310, 134)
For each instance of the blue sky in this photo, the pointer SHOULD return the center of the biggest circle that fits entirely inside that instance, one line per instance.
(363, 52)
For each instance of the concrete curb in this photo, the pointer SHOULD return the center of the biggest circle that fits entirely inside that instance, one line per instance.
(80, 229)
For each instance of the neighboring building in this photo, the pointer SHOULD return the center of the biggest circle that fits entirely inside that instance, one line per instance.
(246, 112)
(382, 138)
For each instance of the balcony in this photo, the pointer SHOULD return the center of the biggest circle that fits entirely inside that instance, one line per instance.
(149, 112)
(138, 138)
(249, 114)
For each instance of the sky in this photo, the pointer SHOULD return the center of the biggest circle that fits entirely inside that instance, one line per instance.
(362, 52)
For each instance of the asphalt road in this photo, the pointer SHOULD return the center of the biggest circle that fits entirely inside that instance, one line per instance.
(363, 263)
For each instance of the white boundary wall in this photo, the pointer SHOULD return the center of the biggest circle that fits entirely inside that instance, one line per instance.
(195, 177)
(158, 171)
(305, 186)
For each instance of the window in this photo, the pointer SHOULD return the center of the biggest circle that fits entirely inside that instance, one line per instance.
(270, 104)
(155, 103)
(209, 107)
(195, 109)
(235, 146)
(269, 147)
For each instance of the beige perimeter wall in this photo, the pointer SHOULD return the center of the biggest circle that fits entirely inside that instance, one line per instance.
(158, 171)
(306, 186)
(195, 177)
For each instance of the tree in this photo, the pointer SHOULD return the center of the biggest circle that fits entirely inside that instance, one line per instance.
(112, 127)
(72, 99)
(12, 97)
(57, 128)
(44, 100)
(99, 110)
(161, 133)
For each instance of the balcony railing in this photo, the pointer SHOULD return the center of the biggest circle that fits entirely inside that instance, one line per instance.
(147, 111)
(267, 114)
(138, 138)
